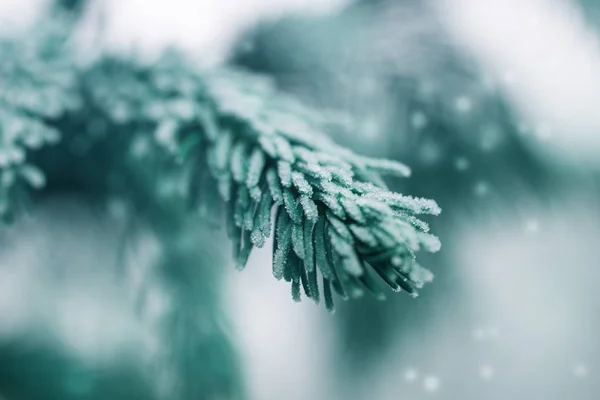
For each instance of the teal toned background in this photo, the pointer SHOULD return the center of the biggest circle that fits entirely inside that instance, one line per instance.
(492, 103)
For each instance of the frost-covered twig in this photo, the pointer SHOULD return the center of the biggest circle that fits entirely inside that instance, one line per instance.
(263, 155)
(273, 166)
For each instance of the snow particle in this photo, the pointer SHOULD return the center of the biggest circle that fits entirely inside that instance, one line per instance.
(370, 128)
(486, 372)
(463, 104)
(411, 375)
(491, 137)
(532, 226)
(580, 371)
(461, 164)
(482, 188)
(418, 120)
(431, 383)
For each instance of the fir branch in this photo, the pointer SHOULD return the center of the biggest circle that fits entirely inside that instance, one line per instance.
(268, 152)
(332, 218)
(264, 153)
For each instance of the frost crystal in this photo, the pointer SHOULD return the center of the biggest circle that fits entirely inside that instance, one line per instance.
(285, 173)
(255, 168)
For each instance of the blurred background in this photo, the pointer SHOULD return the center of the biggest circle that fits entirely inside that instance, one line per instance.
(493, 103)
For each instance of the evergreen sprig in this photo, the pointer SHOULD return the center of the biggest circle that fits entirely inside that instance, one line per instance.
(334, 220)
(259, 153)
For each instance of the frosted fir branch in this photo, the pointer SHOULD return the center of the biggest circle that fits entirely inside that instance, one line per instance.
(259, 153)
(351, 232)
(331, 224)
(334, 220)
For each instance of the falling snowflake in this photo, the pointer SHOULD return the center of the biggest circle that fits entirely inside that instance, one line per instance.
(463, 104)
(461, 164)
(482, 189)
(491, 137)
(580, 370)
(431, 383)
(370, 128)
(532, 226)
(487, 372)
(418, 120)
(411, 375)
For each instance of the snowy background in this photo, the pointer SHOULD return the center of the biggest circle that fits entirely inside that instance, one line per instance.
(515, 311)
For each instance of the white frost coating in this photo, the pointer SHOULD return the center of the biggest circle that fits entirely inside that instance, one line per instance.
(239, 165)
(284, 170)
(255, 167)
(302, 184)
(311, 212)
(546, 60)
